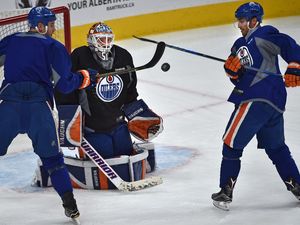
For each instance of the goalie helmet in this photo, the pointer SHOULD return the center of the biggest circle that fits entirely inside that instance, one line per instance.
(101, 37)
(250, 10)
(40, 14)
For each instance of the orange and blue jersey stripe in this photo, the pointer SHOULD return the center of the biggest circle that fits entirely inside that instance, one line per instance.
(235, 124)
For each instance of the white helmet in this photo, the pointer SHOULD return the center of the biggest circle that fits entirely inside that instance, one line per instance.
(101, 38)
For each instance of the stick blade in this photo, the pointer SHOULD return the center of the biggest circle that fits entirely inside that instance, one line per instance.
(160, 48)
(140, 184)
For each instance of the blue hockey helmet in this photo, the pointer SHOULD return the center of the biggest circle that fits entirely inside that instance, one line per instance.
(40, 14)
(250, 10)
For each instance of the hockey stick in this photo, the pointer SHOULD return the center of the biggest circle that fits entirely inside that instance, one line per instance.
(156, 57)
(113, 176)
(206, 56)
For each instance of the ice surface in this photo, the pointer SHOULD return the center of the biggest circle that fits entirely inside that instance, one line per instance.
(191, 97)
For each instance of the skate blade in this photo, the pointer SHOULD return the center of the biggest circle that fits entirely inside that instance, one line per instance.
(76, 221)
(222, 205)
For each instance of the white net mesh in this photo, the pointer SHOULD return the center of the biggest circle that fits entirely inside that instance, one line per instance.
(6, 14)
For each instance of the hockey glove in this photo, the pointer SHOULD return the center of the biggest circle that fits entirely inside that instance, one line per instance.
(233, 67)
(143, 123)
(292, 75)
(89, 78)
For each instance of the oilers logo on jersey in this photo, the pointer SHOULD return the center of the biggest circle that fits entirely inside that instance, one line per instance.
(245, 56)
(109, 88)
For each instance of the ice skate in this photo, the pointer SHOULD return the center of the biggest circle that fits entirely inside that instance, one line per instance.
(294, 187)
(223, 198)
(69, 203)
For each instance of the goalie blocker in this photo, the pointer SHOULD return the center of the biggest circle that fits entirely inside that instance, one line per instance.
(143, 123)
(70, 125)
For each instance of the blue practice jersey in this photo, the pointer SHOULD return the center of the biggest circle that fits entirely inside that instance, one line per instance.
(32, 57)
(260, 49)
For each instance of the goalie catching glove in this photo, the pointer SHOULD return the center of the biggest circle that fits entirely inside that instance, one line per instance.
(143, 123)
(292, 75)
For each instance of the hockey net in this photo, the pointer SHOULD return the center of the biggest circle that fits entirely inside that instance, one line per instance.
(16, 21)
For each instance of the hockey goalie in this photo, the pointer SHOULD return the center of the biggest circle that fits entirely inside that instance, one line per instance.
(111, 115)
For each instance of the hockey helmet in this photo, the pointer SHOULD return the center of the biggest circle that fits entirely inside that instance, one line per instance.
(101, 37)
(40, 14)
(250, 10)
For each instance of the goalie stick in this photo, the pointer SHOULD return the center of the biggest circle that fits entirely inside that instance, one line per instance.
(113, 176)
(156, 57)
(206, 56)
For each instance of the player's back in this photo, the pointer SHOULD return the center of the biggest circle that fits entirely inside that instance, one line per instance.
(28, 57)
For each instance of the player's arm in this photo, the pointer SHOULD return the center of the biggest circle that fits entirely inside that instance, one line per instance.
(64, 80)
(289, 50)
(143, 123)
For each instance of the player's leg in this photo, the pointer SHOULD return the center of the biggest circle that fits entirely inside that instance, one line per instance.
(43, 133)
(9, 124)
(122, 140)
(102, 143)
(271, 138)
(245, 121)
(61, 182)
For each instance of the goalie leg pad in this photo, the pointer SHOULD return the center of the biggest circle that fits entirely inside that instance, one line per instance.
(86, 175)
(122, 140)
(151, 159)
(108, 145)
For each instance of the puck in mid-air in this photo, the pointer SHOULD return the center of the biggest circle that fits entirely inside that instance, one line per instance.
(165, 67)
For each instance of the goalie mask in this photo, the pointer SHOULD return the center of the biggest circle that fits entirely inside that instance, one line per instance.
(100, 38)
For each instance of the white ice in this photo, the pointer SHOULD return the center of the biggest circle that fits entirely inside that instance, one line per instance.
(191, 97)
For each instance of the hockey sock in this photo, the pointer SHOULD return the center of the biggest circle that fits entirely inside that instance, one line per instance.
(230, 166)
(285, 164)
(58, 174)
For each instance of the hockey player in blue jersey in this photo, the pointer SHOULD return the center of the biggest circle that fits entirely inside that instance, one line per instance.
(34, 64)
(259, 100)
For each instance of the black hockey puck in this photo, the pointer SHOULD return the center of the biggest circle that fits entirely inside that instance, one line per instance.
(165, 67)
